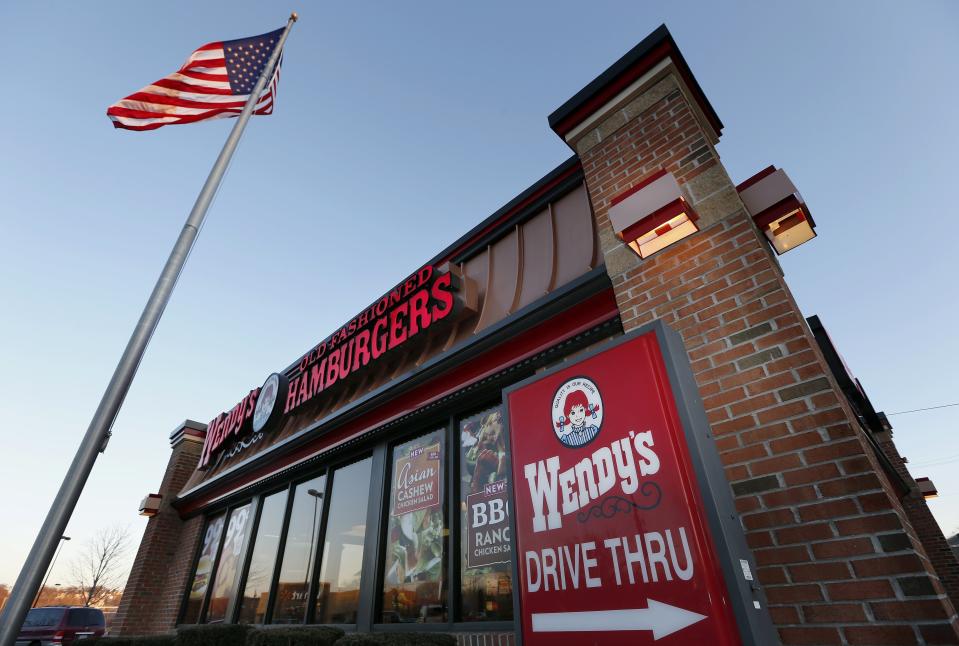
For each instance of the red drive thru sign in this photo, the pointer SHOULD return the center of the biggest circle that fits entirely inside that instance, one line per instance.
(612, 543)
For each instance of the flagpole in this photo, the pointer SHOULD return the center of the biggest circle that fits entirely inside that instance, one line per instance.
(95, 439)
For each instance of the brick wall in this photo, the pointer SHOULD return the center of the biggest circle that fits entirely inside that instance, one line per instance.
(154, 591)
(834, 546)
(924, 523)
(839, 558)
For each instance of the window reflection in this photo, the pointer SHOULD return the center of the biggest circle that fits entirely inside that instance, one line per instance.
(339, 586)
(256, 593)
(231, 560)
(300, 552)
(204, 566)
(414, 587)
(414, 565)
(485, 546)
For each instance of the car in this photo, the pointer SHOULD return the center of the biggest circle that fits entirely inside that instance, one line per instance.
(60, 625)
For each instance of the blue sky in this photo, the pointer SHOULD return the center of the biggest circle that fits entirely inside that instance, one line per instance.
(398, 127)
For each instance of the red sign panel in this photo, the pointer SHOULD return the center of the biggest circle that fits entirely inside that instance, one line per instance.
(406, 312)
(612, 546)
(227, 425)
(410, 308)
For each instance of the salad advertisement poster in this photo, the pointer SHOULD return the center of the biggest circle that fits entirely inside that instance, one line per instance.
(485, 472)
(416, 506)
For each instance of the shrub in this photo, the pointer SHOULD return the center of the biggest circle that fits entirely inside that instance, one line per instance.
(397, 639)
(294, 636)
(151, 640)
(212, 635)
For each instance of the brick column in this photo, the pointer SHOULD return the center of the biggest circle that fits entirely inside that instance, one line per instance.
(923, 522)
(151, 599)
(827, 529)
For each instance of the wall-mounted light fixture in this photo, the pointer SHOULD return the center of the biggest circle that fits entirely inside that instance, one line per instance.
(652, 215)
(778, 209)
(150, 505)
(927, 489)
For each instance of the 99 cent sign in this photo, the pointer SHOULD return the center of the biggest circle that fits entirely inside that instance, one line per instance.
(613, 540)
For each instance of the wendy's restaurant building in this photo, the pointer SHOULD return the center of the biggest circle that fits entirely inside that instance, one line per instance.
(599, 417)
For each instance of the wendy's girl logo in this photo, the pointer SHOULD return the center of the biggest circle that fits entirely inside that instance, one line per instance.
(577, 412)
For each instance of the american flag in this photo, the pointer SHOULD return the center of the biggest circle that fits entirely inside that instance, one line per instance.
(214, 83)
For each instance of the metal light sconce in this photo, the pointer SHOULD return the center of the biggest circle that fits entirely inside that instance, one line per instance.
(778, 209)
(927, 489)
(150, 506)
(652, 215)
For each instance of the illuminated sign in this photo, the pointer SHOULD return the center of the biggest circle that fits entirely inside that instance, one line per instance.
(267, 402)
(612, 545)
(409, 309)
(226, 425)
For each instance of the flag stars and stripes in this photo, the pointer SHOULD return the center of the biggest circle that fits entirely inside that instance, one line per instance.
(215, 82)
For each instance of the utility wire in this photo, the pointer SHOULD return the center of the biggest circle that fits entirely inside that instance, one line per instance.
(916, 410)
(935, 463)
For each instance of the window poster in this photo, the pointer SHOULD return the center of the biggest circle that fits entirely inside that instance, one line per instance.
(230, 561)
(414, 581)
(487, 592)
(418, 472)
(204, 566)
(484, 469)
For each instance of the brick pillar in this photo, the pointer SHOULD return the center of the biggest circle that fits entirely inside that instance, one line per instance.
(924, 523)
(820, 514)
(151, 599)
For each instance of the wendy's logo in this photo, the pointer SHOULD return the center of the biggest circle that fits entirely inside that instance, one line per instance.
(577, 412)
(269, 401)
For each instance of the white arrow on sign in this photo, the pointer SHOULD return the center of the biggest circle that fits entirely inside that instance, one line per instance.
(661, 618)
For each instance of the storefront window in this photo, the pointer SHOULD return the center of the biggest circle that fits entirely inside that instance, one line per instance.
(415, 565)
(204, 566)
(415, 578)
(231, 560)
(300, 551)
(338, 593)
(485, 549)
(263, 560)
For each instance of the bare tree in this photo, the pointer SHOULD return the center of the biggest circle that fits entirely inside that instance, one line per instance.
(4, 594)
(98, 569)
